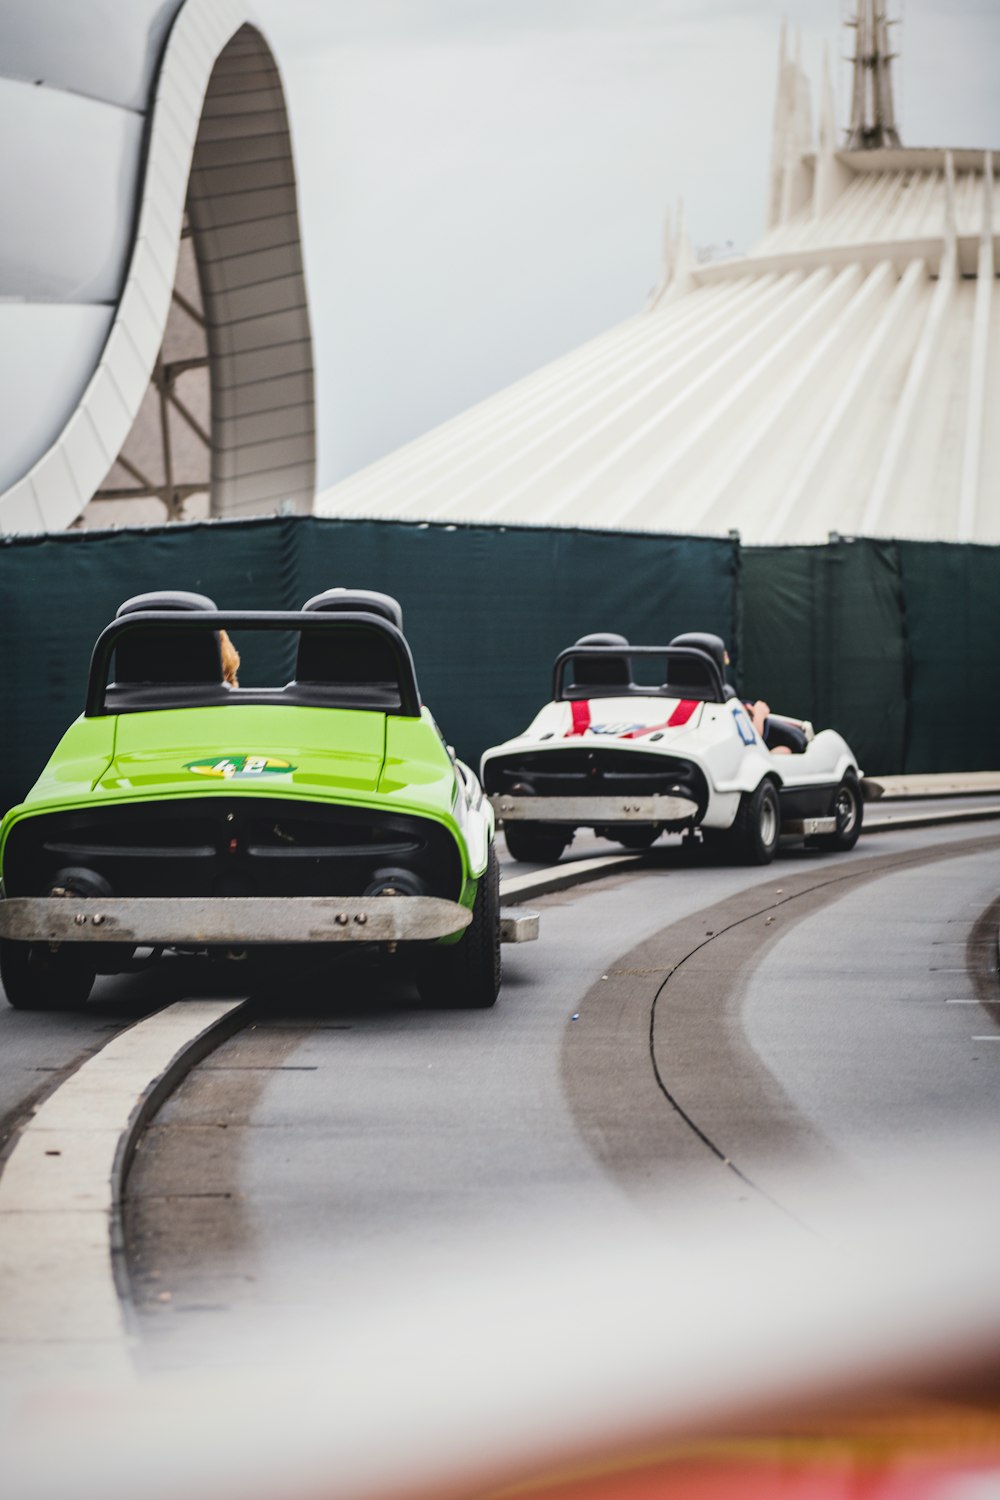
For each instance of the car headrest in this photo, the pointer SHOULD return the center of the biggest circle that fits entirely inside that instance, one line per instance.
(348, 657)
(164, 599)
(602, 671)
(713, 646)
(357, 601)
(167, 656)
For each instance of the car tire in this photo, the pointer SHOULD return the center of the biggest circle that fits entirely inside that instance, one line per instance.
(638, 838)
(466, 975)
(758, 825)
(35, 978)
(536, 843)
(849, 811)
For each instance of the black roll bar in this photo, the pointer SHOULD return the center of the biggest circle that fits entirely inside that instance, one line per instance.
(668, 653)
(246, 619)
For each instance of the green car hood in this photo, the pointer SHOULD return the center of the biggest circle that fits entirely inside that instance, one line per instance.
(316, 751)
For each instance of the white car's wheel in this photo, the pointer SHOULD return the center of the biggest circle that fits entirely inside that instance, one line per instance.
(849, 811)
(536, 843)
(757, 826)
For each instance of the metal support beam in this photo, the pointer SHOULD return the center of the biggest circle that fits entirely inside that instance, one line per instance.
(850, 398)
(865, 290)
(977, 408)
(873, 113)
(901, 432)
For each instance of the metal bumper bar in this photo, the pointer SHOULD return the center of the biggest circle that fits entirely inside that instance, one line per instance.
(518, 925)
(193, 921)
(590, 812)
(809, 826)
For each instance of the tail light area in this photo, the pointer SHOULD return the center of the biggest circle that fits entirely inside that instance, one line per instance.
(232, 847)
(595, 771)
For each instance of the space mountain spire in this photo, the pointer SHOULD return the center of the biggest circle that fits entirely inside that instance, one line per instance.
(873, 115)
(792, 141)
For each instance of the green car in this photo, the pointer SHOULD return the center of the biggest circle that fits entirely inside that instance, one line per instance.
(180, 812)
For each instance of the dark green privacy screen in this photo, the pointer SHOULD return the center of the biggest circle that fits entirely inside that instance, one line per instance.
(486, 609)
(952, 627)
(892, 643)
(824, 640)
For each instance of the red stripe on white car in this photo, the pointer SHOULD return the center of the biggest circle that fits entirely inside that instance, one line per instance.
(682, 712)
(582, 721)
(581, 718)
(680, 715)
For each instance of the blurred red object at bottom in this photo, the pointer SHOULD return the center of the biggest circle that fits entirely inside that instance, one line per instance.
(779, 1474)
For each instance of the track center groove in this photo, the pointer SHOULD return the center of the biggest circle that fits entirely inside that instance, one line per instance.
(614, 1109)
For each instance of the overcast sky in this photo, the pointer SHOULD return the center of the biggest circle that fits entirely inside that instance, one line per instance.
(483, 183)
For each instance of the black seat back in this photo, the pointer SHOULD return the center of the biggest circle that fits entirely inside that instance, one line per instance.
(601, 672)
(686, 672)
(163, 656)
(352, 657)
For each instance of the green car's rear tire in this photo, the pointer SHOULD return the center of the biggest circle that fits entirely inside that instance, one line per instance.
(536, 843)
(35, 978)
(466, 975)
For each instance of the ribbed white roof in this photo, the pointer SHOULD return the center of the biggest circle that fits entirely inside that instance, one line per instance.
(838, 378)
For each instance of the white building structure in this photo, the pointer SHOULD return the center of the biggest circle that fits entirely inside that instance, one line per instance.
(839, 378)
(155, 350)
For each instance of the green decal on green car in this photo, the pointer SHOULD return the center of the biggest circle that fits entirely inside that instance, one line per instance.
(238, 767)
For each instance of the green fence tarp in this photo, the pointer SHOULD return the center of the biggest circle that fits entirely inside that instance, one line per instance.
(486, 609)
(824, 639)
(952, 602)
(881, 640)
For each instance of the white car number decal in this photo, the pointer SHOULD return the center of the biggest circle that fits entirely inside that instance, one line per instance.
(618, 730)
(743, 726)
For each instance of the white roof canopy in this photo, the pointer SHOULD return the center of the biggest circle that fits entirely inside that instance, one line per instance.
(838, 378)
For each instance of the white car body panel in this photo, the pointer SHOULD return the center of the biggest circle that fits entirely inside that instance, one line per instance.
(719, 738)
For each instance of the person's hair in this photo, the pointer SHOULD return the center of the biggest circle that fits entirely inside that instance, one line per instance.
(230, 660)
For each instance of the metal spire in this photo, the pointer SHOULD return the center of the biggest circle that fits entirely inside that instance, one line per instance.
(873, 115)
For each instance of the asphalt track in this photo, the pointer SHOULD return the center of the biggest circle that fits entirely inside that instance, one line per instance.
(684, 1025)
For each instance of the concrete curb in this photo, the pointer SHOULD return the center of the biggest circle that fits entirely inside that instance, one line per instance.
(61, 1262)
(928, 820)
(155, 1093)
(562, 877)
(940, 784)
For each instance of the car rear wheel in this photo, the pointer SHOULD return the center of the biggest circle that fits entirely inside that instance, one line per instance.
(36, 978)
(757, 826)
(849, 810)
(536, 843)
(466, 975)
(638, 838)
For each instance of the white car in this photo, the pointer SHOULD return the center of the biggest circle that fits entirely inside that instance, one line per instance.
(633, 759)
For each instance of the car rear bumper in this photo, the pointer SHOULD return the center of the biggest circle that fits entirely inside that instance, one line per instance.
(590, 812)
(195, 921)
(185, 921)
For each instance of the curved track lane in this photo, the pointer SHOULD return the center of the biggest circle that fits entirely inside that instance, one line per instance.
(689, 1024)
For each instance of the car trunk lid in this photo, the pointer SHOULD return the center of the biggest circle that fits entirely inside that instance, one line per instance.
(323, 752)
